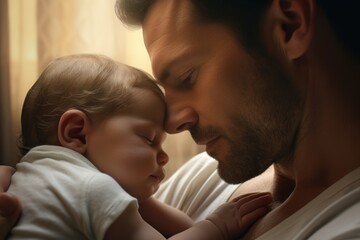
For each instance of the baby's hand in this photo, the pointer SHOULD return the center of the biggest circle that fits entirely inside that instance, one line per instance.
(9, 204)
(235, 217)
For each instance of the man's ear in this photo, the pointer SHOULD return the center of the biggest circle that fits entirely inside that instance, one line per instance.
(73, 127)
(294, 26)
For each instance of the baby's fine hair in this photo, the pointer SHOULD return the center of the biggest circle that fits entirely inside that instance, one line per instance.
(94, 84)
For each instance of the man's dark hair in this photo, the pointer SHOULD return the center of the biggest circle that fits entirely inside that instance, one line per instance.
(343, 17)
(236, 14)
(244, 16)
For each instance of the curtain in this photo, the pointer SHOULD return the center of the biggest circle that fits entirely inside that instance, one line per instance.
(6, 138)
(33, 32)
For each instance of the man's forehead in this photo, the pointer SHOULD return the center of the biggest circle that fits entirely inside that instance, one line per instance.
(165, 15)
(166, 24)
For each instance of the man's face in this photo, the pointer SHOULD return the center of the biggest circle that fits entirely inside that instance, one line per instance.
(240, 105)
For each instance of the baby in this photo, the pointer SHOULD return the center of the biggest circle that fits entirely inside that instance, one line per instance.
(92, 134)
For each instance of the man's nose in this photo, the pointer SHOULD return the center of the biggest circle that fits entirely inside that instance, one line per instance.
(180, 119)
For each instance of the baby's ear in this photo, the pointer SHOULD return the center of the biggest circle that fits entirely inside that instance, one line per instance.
(73, 127)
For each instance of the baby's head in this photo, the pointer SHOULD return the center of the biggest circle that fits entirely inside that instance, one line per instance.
(110, 113)
(93, 84)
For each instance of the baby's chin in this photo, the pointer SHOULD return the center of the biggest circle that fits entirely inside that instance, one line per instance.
(145, 196)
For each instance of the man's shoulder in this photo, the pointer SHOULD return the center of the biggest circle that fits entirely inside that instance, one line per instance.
(340, 220)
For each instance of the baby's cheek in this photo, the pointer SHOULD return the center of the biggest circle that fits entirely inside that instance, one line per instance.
(143, 159)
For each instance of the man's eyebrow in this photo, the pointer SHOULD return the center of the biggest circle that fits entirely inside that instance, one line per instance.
(164, 75)
(165, 72)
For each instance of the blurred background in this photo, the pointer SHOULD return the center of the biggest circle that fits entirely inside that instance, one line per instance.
(34, 32)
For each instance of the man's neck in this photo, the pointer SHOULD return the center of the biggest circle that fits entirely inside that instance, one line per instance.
(283, 184)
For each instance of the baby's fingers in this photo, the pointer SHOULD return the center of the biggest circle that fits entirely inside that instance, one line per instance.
(254, 208)
(263, 198)
(251, 217)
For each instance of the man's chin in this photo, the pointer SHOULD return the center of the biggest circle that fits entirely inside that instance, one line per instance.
(235, 174)
(229, 175)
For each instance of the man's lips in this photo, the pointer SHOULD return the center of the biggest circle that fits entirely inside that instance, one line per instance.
(211, 143)
(205, 141)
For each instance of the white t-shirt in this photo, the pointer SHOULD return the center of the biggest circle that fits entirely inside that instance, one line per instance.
(333, 214)
(197, 189)
(64, 196)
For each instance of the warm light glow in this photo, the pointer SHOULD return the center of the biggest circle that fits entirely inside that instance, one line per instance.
(23, 53)
(41, 30)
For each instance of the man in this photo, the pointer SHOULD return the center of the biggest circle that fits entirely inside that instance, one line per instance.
(261, 83)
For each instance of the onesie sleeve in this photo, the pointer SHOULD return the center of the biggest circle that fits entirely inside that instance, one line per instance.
(105, 202)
